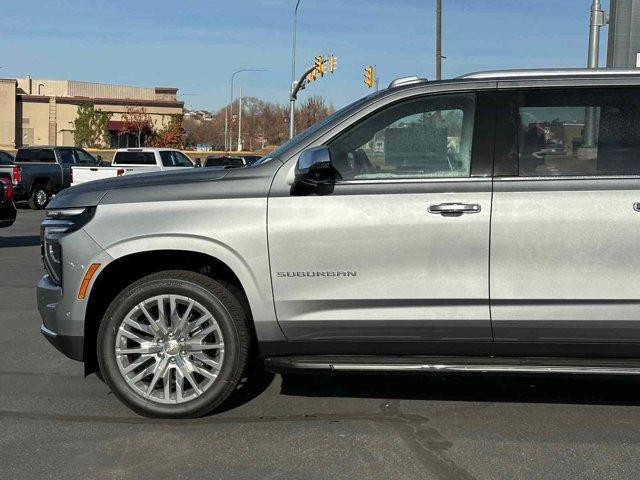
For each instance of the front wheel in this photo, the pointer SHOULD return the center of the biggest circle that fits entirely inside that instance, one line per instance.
(173, 344)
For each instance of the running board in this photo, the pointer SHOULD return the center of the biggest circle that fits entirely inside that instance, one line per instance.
(426, 364)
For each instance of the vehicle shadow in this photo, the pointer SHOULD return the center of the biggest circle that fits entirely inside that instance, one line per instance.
(22, 205)
(256, 381)
(468, 388)
(20, 241)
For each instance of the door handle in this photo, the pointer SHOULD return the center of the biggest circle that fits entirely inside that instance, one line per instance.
(454, 209)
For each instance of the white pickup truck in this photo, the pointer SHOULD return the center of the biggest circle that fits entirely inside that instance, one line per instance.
(127, 161)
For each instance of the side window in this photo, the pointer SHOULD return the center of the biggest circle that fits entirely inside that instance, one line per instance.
(66, 156)
(5, 159)
(181, 160)
(83, 158)
(579, 132)
(425, 137)
(167, 158)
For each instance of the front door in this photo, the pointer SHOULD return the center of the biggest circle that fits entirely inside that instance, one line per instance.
(397, 248)
(565, 255)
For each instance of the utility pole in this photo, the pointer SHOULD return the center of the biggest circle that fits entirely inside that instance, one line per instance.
(240, 121)
(597, 20)
(438, 39)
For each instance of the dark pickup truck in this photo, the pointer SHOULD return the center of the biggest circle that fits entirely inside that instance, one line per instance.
(40, 172)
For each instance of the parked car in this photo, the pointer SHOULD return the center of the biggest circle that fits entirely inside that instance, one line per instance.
(453, 249)
(127, 161)
(7, 162)
(40, 172)
(222, 162)
(7, 208)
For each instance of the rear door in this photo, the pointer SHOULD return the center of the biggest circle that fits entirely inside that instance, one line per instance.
(397, 248)
(565, 249)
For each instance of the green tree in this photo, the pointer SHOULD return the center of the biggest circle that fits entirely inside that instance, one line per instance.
(91, 127)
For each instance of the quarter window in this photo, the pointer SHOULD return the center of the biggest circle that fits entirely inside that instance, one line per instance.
(420, 138)
(579, 132)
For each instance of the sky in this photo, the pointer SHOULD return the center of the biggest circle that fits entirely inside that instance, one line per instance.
(195, 45)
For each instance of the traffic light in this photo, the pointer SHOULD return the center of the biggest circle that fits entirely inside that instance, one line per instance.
(319, 65)
(369, 76)
(312, 75)
(333, 63)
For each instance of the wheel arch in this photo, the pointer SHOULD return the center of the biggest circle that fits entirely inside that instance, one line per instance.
(127, 268)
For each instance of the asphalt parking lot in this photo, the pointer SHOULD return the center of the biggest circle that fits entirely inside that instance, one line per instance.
(56, 424)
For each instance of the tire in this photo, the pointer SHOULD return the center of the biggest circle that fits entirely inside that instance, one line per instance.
(227, 346)
(39, 197)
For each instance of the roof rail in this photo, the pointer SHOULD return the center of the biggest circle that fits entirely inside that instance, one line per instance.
(405, 81)
(551, 72)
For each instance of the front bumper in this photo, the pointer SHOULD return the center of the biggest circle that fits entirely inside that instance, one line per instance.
(71, 346)
(63, 314)
(49, 298)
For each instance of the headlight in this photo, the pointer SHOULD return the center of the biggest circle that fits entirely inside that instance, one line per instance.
(56, 225)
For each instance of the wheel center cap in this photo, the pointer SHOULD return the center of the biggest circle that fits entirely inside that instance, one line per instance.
(172, 347)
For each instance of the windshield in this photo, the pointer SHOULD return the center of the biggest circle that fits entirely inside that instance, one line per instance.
(302, 136)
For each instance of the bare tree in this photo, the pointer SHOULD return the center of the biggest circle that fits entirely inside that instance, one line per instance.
(262, 123)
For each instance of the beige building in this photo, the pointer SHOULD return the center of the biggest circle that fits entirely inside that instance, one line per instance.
(42, 111)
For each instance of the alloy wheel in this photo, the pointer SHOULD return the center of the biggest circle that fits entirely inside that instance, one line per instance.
(41, 198)
(169, 349)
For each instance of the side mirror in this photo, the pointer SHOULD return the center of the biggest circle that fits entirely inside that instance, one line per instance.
(99, 158)
(314, 166)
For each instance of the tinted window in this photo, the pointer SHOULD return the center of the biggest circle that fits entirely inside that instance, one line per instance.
(224, 162)
(175, 159)
(5, 159)
(47, 155)
(83, 158)
(28, 155)
(66, 155)
(579, 132)
(418, 138)
(167, 158)
(181, 160)
(134, 158)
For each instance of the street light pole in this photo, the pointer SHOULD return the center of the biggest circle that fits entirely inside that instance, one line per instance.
(240, 121)
(438, 39)
(292, 99)
(228, 116)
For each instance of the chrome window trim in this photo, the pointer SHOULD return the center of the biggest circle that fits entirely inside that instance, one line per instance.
(512, 178)
(411, 180)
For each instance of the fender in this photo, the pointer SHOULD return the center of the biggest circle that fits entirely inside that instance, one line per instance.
(258, 293)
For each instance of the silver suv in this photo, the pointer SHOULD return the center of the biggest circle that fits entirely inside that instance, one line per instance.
(483, 223)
